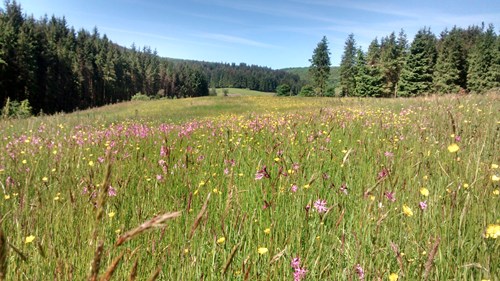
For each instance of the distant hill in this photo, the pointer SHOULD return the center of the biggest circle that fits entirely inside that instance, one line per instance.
(303, 73)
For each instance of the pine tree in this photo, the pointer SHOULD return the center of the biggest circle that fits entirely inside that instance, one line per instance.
(450, 72)
(348, 67)
(320, 66)
(369, 78)
(417, 75)
(484, 70)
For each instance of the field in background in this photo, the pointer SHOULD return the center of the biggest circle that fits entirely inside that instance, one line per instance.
(236, 92)
(254, 188)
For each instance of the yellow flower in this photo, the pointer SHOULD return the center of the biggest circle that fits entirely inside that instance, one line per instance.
(494, 166)
(393, 277)
(24, 161)
(407, 211)
(306, 186)
(267, 230)
(91, 163)
(45, 179)
(452, 148)
(492, 231)
(221, 240)
(202, 183)
(424, 191)
(112, 214)
(262, 250)
(495, 178)
(6, 196)
(277, 159)
(496, 192)
(29, 239)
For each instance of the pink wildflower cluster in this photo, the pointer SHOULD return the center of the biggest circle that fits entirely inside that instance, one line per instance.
(299, 272)
(262, 174)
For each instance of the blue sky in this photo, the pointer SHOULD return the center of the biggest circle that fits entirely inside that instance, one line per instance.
(273, 33)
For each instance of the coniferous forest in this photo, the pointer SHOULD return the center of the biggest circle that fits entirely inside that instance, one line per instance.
(57, 68)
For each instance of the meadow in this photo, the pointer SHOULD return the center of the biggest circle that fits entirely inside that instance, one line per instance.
(254, 188)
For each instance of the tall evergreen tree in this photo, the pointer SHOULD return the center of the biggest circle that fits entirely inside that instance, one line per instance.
(451, 65)
(348, 67)
(320, 66)
(417, 75)
(484, 70)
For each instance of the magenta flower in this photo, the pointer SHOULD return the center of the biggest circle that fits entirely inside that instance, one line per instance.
(295, 263)
(423, 205)
(390, 196)
(111, 191)
(262, 173)
(458, 138)
(382, 174)
(360, 272)
(389, 154)
(294, 188)
(299, 274)
(343, 188)
(320, 206)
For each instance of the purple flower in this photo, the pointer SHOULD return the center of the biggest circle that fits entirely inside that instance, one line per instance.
(226, 171)
(320, 206)
(423, 205)
(262, 173)
(390, 196)
(382, 174)
(163, 151)
(458, 138)
(295, 166)
(294, 188)
(111, 191)
(159, 177)
(360, 272)
(295, 263)
(389, 154)
(299, 274)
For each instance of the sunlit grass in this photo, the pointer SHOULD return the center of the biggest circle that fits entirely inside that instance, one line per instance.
(350, 187)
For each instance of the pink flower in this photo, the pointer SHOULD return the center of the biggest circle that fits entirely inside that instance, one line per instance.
(458, 138)
(295, 263)
(294, 188)
(423, 205)
(389, 154)
(262, 174)
(320, 206)
(360, 272)
(382, 174)
(390, 196)
(343, 188)
(299, 274)
(111, 191)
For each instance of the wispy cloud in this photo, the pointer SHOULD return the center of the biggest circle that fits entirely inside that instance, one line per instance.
(235, 40)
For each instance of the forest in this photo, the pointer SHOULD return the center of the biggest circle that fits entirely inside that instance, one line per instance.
(58, 69)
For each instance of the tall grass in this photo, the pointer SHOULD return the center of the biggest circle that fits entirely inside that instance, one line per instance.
(235, 188)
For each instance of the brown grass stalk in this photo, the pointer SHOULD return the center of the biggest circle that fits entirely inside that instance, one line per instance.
(111, 269)
(395, 249)
(155, 222)
(3, 255)
(155, 274)
(96, 263)
(230, 259)
(133, 271)
(199, 216)
(430, 259)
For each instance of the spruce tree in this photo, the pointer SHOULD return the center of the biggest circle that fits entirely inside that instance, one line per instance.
(484, 70)
(348, 67)
(417, 75)
(320, 67)
(450, 72)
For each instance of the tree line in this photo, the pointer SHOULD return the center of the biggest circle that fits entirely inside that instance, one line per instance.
(458, 61)
(56, 68)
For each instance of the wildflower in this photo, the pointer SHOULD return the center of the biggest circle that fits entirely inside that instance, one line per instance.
(295, 262)
(111, 215)
(29, 239)
(424, 191)
(382, 174)
(320, 206)
(390, 196)
(221, 240)
(407, 211)
(267, 230)
(45, 179)
(496, 192)
(492, 231)
(299, 274)
(452, 148)
(307, 186)
(262, 174)
(6, 196)
(423, 205)
(159, 177)
(393, 277)
(294, 188)
(360, 272)
(458, 138)
(495, 178)
(388, 154)
(202, 183)
(494, 166)
(262, 250)
(111, 191)
(91, 163)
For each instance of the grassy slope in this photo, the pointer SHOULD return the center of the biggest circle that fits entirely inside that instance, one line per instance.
(303, 73)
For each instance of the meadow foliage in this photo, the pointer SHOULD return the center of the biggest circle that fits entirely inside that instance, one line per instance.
(293, 189)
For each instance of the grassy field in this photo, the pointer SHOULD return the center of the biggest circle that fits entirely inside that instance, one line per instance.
(254, 188)
(236, 92)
